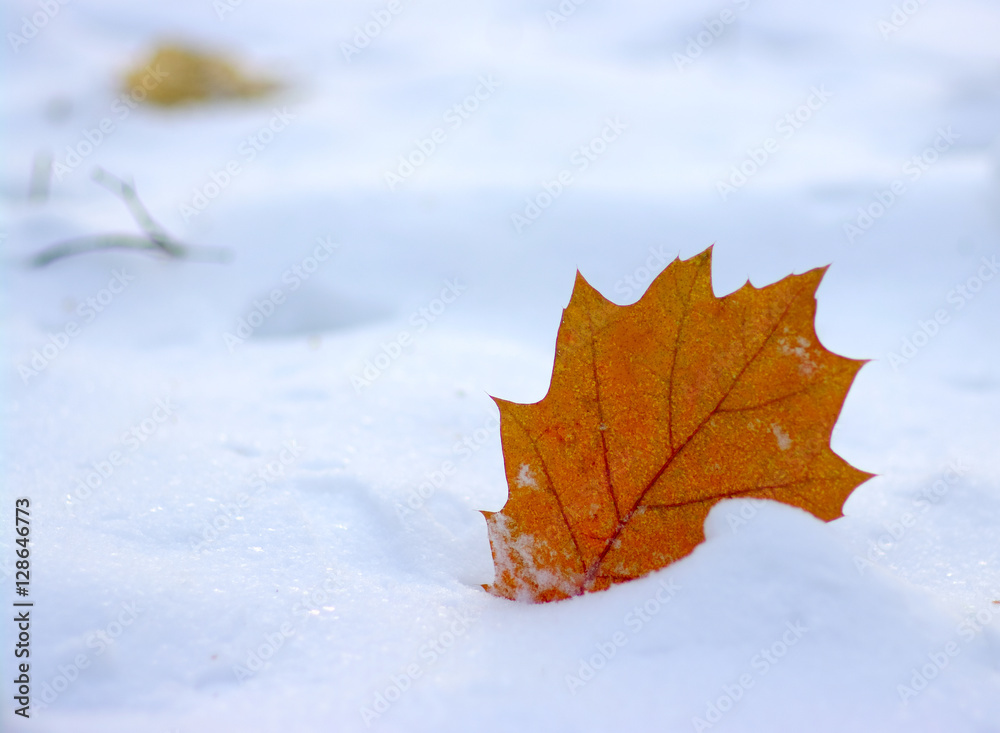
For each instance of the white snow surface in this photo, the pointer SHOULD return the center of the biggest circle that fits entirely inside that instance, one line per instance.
(193, 588)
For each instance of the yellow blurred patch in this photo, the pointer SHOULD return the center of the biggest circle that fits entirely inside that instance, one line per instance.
(176, 75)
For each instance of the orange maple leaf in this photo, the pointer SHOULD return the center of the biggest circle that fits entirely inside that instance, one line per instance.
(655, 412)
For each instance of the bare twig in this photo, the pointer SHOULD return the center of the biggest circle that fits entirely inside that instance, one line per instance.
(41, 176)
(155, 240)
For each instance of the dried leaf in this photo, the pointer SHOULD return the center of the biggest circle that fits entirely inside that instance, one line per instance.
(176, 75)
(655, 412)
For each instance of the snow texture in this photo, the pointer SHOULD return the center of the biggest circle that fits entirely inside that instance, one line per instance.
(255, 485)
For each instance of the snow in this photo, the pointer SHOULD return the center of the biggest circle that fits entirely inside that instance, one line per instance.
(282, 528)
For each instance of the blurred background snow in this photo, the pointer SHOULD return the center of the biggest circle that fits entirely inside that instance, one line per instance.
(867, 134)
